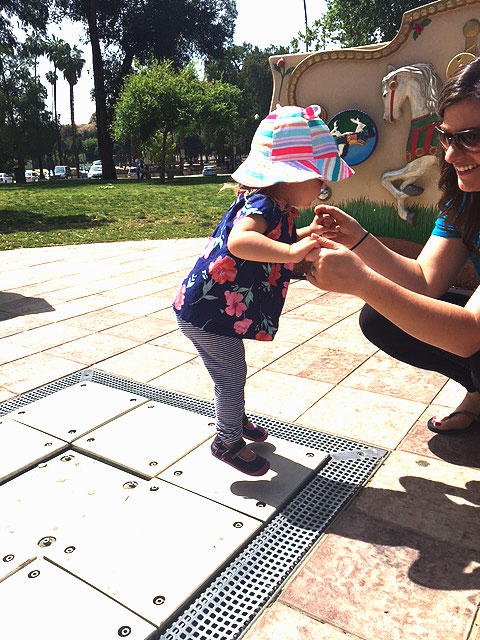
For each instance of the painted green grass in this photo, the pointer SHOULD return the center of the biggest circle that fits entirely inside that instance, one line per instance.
(58, 213)
(382, 219)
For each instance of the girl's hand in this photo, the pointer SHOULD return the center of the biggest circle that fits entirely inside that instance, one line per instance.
(298, 250)
(338, 225)
(335, 268)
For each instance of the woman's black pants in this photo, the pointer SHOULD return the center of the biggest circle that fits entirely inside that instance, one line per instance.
(402, 346)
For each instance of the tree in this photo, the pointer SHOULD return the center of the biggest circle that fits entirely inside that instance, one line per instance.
(25, 125)
(28, 13)
(56, 51)
(165, 29)
(355, 23)
(71, 66)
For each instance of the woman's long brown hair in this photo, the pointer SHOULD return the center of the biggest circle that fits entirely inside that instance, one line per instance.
(462, 209)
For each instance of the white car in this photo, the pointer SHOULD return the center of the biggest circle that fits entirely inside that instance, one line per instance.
(5, 178)
(209, 170)
(30, 176)
(95, 171)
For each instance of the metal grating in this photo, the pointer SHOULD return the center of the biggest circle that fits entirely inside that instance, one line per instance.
(231, 601)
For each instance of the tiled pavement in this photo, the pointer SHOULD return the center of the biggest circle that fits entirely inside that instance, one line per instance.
(403, 560)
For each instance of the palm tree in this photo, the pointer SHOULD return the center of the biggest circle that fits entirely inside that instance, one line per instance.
(35, 46)
(306, 24)
(56, 51)
(71, 65)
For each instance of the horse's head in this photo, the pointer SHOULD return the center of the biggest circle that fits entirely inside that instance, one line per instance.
(417, 82)
(393, 93)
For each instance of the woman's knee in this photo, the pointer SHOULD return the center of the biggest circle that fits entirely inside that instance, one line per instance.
(372, 323)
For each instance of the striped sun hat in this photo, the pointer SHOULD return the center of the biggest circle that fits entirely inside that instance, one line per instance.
(292, 145)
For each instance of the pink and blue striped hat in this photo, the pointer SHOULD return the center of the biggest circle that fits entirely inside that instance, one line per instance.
(292, 144)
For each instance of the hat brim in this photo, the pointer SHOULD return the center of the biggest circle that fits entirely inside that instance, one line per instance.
(258, 171)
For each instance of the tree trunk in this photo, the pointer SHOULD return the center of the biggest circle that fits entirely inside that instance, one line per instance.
(40, 164)
(105, 142)
(57, 128)
(74, 132)
(164, 153)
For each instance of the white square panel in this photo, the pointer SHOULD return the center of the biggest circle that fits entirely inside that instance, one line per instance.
(37, 505)
(148, 439)
(76, 410)
(154, 551)
(22, 447)
(290, 467)
(45, 602)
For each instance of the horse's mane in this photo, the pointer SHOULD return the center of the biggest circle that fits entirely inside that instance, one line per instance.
(425, 76)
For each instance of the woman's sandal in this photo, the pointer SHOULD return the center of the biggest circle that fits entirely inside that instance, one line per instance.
(253, 432)
(475, 424)
(257, 466)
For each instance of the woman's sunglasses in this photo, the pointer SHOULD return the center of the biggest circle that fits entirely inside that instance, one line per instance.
(468, 139)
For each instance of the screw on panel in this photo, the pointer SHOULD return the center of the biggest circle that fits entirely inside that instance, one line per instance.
(153, 463)
(238, 525)
(159, 600)
(72, 431)
(261, 504)
(123, 632)
(34, 574)
(177, 473)
(46, 541)
(66, 458)
(69, 549)
(154, 488)
(310, 455)
(90, 439)
(8, 558)
(131, 484)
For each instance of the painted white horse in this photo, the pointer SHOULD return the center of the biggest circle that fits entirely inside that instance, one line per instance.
(420, 85)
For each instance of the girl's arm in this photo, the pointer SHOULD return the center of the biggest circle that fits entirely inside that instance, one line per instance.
(247, 241)
(441, 324)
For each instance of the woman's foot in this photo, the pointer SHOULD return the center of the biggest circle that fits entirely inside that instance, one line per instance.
(465, 416)
(239, 456)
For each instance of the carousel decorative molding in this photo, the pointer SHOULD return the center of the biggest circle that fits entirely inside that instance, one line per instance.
(407, 26)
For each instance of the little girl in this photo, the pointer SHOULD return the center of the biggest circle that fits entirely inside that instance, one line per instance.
(237, 288)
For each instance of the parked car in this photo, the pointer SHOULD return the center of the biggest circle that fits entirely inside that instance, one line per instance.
(5, 178)
(209, 170)
(97, 162)
(62, 172)
(31, 176)
(95, 171)
(84, 169)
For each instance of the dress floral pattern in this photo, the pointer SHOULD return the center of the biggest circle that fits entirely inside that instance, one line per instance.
(230, 296)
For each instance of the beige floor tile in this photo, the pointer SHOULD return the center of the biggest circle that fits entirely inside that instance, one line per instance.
(296, 297)
(10, 351)
(281, 395)
(167, 318)
(148, 304)
(461, 449)
(11, 326)
(260, 354)
(317, 363)
(349, 304)
(92, 348)
(34, 371)
(282, 622)
(431, 497)
(5, 394)
(376, 580)
(369, 417)
(143, 363)
(48, 336)
(99, 320)
(175, 340)
(191, 378)
(345, 336)
(450, 395)
(298, 329)
(141, 329)
(383, 374)
(67, 310)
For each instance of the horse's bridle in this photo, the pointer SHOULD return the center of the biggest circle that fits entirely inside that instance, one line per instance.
(392, 85)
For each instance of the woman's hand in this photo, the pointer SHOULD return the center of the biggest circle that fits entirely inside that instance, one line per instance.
(335, 268)
(299, 250)
(337, 225)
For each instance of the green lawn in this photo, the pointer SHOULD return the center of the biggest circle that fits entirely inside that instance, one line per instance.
(70, 212)
(52, 213)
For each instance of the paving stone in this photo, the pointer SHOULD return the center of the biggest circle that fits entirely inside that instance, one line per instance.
(378, 580)
(148, 439)
(291, 465)
(76, 410)
(152, 552)
(43, 601)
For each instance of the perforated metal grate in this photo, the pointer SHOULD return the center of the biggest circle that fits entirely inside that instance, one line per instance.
(231, 601)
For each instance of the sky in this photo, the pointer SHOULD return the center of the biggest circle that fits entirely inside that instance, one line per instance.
(259, 22)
